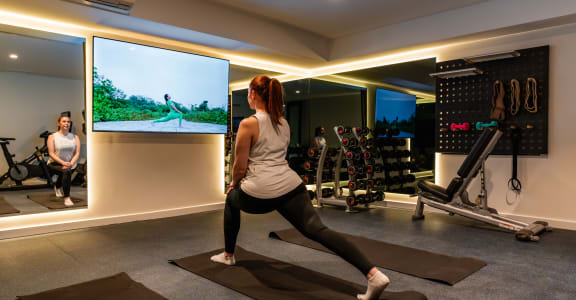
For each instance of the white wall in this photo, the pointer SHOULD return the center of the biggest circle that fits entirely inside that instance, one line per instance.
(31, 104)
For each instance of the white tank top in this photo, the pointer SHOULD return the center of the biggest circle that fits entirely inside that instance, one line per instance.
(268, 175)
(64, 146)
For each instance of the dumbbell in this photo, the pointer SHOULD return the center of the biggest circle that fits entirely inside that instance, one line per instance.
(406, 153)
(481, 126)
(353, 155)
(347, 141)
(351, 201)
(327, 192)
(313, 153)
(396, 180)
(341, 130)
(369, 169)
(378, 182)
(353, 170)
(460, 127)
(308, 179)
(352, 185)
(387, 167)
(409, 178)
(362, 131)
(361, 185)
(378, 168)
(361, 199)
(377, 196)
(369, 184)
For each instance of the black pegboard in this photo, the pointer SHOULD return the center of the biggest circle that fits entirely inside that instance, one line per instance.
(468, 99)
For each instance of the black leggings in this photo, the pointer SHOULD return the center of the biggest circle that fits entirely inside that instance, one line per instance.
(64, 177)
(295, 207)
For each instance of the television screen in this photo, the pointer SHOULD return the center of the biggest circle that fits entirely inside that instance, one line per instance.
(395, 110)
(139, 88)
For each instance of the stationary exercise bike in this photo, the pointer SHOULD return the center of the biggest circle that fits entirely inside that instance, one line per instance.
(31, 167)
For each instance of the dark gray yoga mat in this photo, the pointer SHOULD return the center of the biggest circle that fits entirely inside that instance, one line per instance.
(415, 262)
(117, 287)
(6, 208)
(49, 200)
(262, 278)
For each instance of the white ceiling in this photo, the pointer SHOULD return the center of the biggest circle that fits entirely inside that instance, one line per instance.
(41, 54)
(337, 18)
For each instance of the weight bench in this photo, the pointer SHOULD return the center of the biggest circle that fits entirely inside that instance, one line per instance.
(454, 198)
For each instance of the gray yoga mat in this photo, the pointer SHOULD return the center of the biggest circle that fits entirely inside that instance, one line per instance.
(263, 278)
(116, 287)
(6, 208)
(49, 200)
(415, 262)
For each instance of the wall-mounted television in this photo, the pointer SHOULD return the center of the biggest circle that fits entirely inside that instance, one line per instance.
(138, 88)
(395, 110)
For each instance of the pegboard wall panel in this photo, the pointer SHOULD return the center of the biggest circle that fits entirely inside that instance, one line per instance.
(469, 100)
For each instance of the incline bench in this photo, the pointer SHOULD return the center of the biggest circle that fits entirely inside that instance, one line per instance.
(454, 198)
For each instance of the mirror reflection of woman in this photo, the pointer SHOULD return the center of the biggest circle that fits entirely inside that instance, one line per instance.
(319, 139)
(64, 151)
(174, 113)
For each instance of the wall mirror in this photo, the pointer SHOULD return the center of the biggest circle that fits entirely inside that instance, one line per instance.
(359, 98)
(42, 82)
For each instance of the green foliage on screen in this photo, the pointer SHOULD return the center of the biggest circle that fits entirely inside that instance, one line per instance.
(110, 104)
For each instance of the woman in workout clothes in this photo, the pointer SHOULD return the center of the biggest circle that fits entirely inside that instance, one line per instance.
(319, 139)
(174, 113)
(64, 151)
(262, 182)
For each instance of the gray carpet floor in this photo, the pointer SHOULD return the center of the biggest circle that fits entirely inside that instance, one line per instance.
(515, 270)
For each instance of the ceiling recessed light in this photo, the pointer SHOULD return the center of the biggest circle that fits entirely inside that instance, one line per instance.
(132, 48)
(13, 56)
(297, 91)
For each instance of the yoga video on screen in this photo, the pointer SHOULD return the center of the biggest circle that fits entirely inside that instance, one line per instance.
(139, 88)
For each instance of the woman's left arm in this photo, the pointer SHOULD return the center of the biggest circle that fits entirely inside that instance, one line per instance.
(77, 151)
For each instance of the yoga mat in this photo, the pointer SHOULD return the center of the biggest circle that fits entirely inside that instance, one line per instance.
(262, 278)
(397, 258)
(49, 199)
(6, 208)
(119, 286)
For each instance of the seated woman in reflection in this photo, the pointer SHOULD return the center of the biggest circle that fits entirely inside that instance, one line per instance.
(64, 151)
(174, 113)
(319, 140)
(263, 182)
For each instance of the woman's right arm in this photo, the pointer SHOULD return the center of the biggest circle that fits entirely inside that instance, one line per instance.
(244, 140)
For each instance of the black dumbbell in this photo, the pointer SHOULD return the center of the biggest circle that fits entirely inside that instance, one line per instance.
(378, 182)
(351, 201)
(377, 196)
(410, 178)
(396, 180)
(361, 199)
(369, 169)
(313, 153)
(378, 168)
(361, 184)
(310, 165)
(327, 192)
(369, 183)
(352, 185)
(343, 130)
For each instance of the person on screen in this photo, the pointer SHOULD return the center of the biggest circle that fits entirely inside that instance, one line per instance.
(263, 182)
(319, 140)
(64, 151)
(174, 113)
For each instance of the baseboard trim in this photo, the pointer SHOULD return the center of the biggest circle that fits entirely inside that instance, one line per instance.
(553, 222)
(87, 223)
